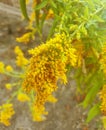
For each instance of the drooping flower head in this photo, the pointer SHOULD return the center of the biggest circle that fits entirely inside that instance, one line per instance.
(48, 64)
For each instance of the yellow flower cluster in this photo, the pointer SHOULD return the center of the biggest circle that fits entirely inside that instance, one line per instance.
(21, 61)
(1, 67)
(4, 69)
(9, 68)
(8, 86)
(103, 60)
(50, 14)
(23, 97)
(38, 113)
(48, 65)
(25, 38)
(103, 98)
(27, 1)
(6, 112)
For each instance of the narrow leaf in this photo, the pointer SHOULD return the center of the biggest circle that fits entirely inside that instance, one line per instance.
(41, 5)
(96, 83)
(23, 8)
(94, 111)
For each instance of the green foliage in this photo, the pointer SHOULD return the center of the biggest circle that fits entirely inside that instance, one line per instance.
(93, 88)
(24, 9)
(94, 111)
(41, 5)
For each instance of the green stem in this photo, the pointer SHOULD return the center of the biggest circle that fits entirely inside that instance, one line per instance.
(13, 75)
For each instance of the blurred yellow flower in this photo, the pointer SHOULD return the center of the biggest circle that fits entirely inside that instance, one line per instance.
(17, 50)
(27, 1)
(52, 99)
(38, 113)
(103, 60)
(50, 14)
(8, 86)
(6, 112)
(25, 38)
(9, 68)
(23, 97)
(21, 61)
(1, 67)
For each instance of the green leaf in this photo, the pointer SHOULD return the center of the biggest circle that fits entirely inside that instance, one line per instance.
(53, 28)
(96, 84)
(23, 8)
(53, 4)
(42, 20)
(86, 12)
(41, 5)
(94, 111)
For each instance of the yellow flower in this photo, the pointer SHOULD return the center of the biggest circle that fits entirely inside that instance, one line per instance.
(104, 121)
(23, 97)
(21, 61)
(27, 1)
(1, 67)
(18, 51)
(6, 112)
(9, 68)
(25, 38)
(48, 65)
(103, 99)
(103, 60)
(38, 113)
(52, 99)
(8, 86)
(50, 14)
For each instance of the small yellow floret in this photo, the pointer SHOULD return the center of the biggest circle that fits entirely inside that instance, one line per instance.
(38, 113)
(25, 38)
(9, 68)
(103, 60)
(1, 67)
(21, 61)
(27, 1)
(52, 99)
(50, 14)
(23, 97)
(6, 112)
(103, 99)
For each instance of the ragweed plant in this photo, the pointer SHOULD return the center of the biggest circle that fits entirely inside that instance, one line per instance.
(76, 40)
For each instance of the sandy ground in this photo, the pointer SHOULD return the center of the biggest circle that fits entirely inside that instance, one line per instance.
(66, 114)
